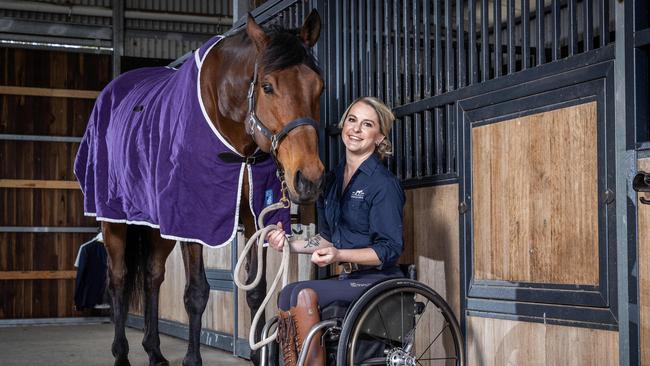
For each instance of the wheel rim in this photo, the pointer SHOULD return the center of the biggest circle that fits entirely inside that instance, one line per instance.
(399, 354)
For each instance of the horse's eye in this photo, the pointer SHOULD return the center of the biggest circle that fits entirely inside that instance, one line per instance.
(268, 88)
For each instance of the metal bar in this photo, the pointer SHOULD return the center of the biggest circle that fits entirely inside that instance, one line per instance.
(416, 141)
(541, 51)
(497, 39)
(362, 49)
(604, 22)
(573, 28)
(371, 88)
(407, 141)
(44, 138)
(512, 67)
(379, 69)
(588, 35)
(397, 132)
(312, 332)
(347, 33)
(438, 72)
(556, 30)
(93, 32)
(5, 323)
(438, 140)
(449, 47)
(55, 44)
(118, 36)
(388, 59)
(473, 57)
(525, 34)
(48, 229)
(460, 41)
(354, 55)
(428, 89)
(485, 35)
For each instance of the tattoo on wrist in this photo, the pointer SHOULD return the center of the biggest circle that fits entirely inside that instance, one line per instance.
(313, 242)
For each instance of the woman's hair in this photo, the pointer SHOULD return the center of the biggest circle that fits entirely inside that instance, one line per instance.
(386, 119)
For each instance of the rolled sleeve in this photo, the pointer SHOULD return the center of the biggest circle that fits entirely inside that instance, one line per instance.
(323, 226)
(386, 221)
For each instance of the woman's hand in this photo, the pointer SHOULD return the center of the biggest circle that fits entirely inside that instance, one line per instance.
(276, 238)
(325, 256)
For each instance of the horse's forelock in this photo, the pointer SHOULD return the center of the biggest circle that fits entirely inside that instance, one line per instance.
(286, 49)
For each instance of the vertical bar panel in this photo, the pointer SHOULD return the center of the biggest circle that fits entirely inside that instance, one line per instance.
(485, 35)
(525, 34)
(460, 41)
(473, 59)
(449, 46)
(497, 38)
(588, 35)
(573, 28)
(541, 52)
(511, 37)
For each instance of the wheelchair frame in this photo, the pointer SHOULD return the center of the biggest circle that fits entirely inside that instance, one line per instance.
(358, 310)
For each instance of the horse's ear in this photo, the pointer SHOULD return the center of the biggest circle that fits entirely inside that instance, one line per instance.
(256, 33)
(310, 30)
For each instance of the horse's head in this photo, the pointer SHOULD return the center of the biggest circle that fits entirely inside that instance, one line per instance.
(284, 103)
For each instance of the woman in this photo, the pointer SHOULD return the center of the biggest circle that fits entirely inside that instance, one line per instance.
(360, 227)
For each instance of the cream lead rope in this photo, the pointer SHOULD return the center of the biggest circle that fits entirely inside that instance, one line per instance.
(283, 271)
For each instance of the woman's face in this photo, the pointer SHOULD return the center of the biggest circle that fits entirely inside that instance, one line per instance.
(361, 132)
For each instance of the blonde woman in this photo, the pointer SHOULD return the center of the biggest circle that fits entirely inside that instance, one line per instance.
(360, 227)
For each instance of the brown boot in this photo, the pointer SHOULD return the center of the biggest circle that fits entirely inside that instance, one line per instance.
(305, 315)
(286, 338)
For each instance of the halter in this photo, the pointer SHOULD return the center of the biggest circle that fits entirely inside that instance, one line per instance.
(253, 123)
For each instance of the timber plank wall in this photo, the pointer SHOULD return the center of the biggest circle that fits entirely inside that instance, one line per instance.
(49, 94)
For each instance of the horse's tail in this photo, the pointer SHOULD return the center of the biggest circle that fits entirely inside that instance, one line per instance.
(136, 256)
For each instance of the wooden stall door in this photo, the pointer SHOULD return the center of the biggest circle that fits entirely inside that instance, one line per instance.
(42, 93)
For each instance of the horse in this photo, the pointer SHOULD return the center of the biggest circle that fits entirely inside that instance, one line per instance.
(146, 176)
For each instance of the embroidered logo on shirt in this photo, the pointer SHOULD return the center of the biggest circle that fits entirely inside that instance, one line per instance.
(358, 194)
(357, 284)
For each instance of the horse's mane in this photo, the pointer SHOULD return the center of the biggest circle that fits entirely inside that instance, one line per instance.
(285, 49)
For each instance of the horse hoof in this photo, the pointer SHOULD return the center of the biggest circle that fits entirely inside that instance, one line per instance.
(122, 362)
(192, 361)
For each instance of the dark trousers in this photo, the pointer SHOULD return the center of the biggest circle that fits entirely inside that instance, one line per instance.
(346, 287)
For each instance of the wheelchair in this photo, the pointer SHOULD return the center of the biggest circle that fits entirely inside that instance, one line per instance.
(398, 321)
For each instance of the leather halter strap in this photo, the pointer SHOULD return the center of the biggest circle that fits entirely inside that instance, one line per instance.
(253, 123)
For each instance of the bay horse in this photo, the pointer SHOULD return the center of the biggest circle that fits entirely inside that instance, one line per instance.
(148, 161)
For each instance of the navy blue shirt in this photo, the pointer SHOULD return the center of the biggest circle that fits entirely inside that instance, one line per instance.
(367, 214)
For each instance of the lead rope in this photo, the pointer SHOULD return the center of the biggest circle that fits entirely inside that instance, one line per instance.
(283, 271)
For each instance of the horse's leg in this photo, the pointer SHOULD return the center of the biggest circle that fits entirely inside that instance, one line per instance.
(255, 296)
(196, 295)
(115, 243)
(155, 274)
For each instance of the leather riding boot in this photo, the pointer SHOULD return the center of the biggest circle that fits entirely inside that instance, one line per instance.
(286, 338)
(306, 315)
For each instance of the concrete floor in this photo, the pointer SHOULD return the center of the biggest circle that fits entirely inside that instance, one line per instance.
(88, 345)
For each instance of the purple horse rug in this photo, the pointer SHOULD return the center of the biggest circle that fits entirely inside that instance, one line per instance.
(150, 156)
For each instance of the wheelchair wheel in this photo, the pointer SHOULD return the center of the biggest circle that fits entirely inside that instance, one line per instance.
(400, 322)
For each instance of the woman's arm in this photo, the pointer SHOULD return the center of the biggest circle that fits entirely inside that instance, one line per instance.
(296, 245)
(364, 256)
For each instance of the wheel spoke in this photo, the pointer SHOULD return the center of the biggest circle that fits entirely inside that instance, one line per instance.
(434, 340)
(374, 361)
(437, 359)
(383, 323)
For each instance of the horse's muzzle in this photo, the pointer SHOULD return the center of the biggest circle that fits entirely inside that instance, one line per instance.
(307, 190)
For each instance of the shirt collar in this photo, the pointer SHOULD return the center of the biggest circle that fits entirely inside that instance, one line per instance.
(369, 165)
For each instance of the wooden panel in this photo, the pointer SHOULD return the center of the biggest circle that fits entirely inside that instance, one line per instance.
(46, 184)
(49, 92)
(431, 230)
(36, 207)
(171, 305)
(217, 258)
(37, 275)
(643, 220)
(535, 198)
(497, 342)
